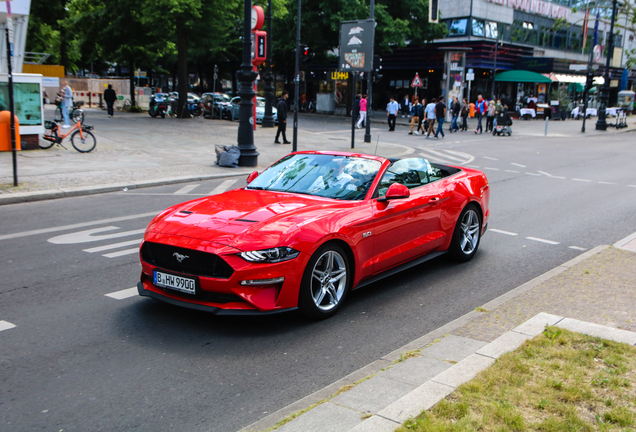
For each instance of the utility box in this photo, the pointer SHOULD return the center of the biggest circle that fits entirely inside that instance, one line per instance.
(5, 131)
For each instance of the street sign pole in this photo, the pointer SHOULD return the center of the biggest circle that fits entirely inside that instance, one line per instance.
(296, 83)
(11, 108)
(367, 132)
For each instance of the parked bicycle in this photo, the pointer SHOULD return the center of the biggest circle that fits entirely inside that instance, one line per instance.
(81, 138)
(76, 114)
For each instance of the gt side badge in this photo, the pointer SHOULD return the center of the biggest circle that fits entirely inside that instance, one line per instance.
(366, 234)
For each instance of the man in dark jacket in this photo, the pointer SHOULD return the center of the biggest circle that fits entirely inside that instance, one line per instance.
(282, 118)
(110, 97)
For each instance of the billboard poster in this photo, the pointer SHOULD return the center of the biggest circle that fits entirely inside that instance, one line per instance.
(356, 46)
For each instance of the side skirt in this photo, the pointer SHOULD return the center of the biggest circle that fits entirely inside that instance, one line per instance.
(401, 267)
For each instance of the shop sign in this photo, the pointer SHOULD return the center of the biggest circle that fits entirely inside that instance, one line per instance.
(339, 75)
(356, 45)
(536, 7)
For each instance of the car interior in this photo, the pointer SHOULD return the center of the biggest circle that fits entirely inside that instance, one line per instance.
(412, 173)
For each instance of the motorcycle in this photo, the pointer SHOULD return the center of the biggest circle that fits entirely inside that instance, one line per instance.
(194, 109)
(158, 105)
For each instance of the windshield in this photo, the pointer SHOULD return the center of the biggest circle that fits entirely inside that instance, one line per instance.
(221, 98)
(260, 102)
(330, 176)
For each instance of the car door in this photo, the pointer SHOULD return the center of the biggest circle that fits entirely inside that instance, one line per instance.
(406, 228)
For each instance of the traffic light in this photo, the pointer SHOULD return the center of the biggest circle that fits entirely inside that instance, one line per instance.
(305, 54)
(377, 68)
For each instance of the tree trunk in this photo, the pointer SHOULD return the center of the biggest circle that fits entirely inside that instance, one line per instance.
(182, 67)
(131, 78)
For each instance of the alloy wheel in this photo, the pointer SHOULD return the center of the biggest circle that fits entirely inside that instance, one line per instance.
(329, 280)
(470, 232)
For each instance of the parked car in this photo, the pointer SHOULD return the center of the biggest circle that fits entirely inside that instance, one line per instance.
(215, 104)
(309, 229)
(235, 104)
(192, 97)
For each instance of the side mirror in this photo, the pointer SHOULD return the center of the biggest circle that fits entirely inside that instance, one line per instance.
(396, 191)
(251, 177)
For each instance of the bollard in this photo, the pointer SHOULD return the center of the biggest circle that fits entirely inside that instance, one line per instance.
(547, 119)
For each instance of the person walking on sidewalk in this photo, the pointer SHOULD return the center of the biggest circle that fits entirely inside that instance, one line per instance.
(480, 110)
(465, 110)
(440, 115)
(406, 106)
(416, 112)
(430, 116)
(392, 109)
(363, 111)
(67, 103)
(282, 118)
(110, 97)
(490, 116)
(455, 108)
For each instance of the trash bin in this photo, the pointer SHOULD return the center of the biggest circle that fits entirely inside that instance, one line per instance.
(547, 112)
(5, 131)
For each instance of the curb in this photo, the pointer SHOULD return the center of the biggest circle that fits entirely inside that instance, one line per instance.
(385, 361)
(116, 187)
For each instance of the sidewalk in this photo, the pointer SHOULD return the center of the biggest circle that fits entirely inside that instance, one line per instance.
(591, 294)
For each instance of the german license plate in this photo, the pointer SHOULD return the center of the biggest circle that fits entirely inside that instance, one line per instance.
(179, 283)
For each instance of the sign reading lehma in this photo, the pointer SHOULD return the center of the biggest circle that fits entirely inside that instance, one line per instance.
(356, 45)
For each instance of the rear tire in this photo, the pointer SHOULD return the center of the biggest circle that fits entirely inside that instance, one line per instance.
(86, 145)
(58, 114)
(467, 234)
(44, 144)
(326, 282)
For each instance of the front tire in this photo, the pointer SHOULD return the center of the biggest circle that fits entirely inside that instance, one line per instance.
(467, 234)
(83, 145)
(325, 283)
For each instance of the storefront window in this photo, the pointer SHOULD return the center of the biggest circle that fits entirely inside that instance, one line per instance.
(27, 102)
(458, 27)
(478, 28)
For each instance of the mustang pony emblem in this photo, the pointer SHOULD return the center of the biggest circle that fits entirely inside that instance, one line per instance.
(179, 257)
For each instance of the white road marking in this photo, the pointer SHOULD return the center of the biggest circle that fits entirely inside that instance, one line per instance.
(447, 158)
(607, 183)
(581, 180)
(627, 185)
(87, 236)
(491, 169)
(6, 325)
(550, 175)
(461, 154)
(113, 246)
(488, 157)
(472, 166)
(503, 232)
(122, 253)
(438, 159)
(533, 174)
(123, 294)
(578, 248)
(519, 165)
(511, 171)
(78, 225)
(186, 189)
(542, 240)
(223, 186)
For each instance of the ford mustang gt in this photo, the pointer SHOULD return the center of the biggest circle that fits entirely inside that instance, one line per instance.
(309, 229)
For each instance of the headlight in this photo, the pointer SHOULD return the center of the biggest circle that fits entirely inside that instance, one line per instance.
(273, 255)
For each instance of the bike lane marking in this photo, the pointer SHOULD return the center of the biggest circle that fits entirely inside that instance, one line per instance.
(113, 246)
(78, 225)
(87, 235)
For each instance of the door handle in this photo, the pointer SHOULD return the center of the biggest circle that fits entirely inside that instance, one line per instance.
(433, 200)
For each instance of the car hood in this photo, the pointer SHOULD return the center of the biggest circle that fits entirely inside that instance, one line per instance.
(244, 219)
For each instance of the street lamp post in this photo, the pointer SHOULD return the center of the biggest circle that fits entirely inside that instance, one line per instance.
(268, 118)
(601, 124)
(249, 155)
(296, 83)
(367, 132)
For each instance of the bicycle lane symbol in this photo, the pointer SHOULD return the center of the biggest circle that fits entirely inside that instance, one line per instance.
(93, 235)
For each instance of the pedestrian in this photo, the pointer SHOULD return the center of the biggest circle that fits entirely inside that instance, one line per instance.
(421, 127)
(391, 112)
(363, 111)
(480, 110)
(67, 102)
(281, 109)
(455, 109)
(490, 116)
(430, 116)
(110, 97)
(355, 109)
(416, 111)
(406, 105)
(440, 115)
(465, 110)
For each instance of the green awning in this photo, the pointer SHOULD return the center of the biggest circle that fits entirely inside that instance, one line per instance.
(579, 88)
(521, 76)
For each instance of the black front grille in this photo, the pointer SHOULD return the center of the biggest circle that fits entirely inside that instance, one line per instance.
(197, 263)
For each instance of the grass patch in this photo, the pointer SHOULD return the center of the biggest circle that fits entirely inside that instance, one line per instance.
(481, 309)
(557, 382)
(407, 355)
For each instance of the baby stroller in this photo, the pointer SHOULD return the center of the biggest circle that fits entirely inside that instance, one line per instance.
(504, 123)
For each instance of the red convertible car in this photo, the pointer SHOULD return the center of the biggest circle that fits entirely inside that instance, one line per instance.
(309, 229)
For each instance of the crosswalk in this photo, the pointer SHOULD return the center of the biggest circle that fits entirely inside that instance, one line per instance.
(446, 156)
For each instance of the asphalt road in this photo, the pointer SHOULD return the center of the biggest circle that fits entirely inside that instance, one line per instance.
(79, 360)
